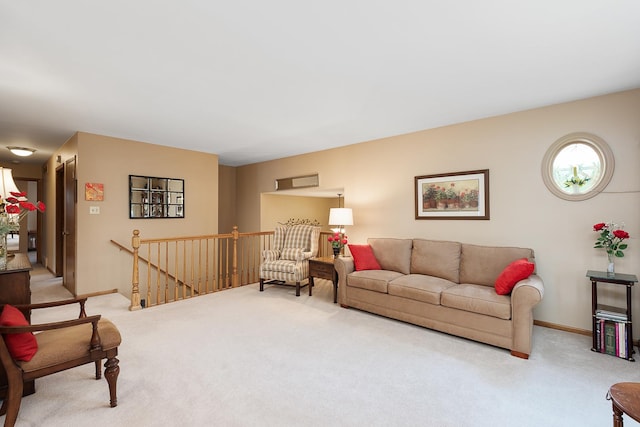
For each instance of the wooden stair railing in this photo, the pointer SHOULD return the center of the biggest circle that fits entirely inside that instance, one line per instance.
(151, 264)
(171, 269)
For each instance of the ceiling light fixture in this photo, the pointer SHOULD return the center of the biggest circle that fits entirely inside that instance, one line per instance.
(22, 151)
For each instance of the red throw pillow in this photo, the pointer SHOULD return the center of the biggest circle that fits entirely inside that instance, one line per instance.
(21, 346)
(518, 270)
(363, 257)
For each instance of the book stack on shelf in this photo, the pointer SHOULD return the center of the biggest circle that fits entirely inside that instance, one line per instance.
(611, 331)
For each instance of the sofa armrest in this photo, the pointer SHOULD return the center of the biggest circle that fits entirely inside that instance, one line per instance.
(343, 266)
(525, 295)
(534, 288)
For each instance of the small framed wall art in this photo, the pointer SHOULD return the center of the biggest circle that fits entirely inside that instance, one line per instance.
(456, 195)
(94, 191)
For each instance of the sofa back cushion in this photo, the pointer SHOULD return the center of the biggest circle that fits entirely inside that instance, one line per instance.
(436, 258)
(482, 265)
(392, 254)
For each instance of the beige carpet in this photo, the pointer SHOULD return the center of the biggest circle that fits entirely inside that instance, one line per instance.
(245, 358)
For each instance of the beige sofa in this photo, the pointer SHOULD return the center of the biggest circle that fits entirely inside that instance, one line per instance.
(446, 286)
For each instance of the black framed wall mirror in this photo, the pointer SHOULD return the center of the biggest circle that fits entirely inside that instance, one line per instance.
(154, 197)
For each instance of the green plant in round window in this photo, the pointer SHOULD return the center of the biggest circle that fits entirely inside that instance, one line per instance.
(576, 167)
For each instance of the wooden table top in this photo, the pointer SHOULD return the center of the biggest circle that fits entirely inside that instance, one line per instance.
(626, 396)
(17, 262)
(324, 260)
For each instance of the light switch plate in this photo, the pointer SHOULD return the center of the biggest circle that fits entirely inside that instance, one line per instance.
(94, 210)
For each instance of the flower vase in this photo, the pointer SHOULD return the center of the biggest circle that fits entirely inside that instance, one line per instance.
(3, 251)
(336, 252)
(611, 270)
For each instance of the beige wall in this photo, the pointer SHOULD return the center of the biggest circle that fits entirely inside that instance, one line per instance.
(101, 159)
(278, 209)
(226, 198)
(378, 179)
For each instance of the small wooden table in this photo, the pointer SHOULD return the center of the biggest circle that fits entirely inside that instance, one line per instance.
(627, 280)
(323, 268)
(625, 399)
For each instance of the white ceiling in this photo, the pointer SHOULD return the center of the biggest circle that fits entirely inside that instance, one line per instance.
(256, 80)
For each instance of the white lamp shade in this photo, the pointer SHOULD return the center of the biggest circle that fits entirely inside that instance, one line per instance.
(340, 216)
(6, 183)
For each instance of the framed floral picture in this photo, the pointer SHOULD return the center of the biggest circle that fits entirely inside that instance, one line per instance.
(458, 195)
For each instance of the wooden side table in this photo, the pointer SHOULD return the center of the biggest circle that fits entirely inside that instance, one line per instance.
(625, 399)
(323, 268)
(627, 280)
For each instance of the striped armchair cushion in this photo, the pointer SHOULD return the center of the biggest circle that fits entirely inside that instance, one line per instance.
(298, 236)
(292, 254)
(278, 237)
(270, 255)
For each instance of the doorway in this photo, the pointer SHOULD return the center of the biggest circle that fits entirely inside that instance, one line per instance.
(65, 236)
(28, 239)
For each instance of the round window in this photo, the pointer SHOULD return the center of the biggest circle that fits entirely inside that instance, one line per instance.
(577, 166)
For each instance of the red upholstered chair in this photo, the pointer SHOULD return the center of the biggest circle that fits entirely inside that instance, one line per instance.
(60, 346)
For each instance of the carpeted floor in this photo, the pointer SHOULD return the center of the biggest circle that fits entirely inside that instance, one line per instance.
(246, 358)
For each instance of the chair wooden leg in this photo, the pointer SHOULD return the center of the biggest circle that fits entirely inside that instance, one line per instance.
(111, 372)
(98, 369)
(13, 398)
(261, 284)
(297, 289)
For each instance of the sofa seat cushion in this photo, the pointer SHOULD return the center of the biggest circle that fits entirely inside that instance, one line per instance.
(477, 299)
(372, 280)
(419, 287)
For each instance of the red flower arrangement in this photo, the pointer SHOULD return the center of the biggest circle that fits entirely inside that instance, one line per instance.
(611, 238)
(338, 240)
(19, 202)
(15, 208)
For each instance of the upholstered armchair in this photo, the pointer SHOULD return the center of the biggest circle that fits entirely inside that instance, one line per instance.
(287, 262)
(56, 347)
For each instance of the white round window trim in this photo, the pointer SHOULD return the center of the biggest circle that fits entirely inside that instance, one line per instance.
(601, 148)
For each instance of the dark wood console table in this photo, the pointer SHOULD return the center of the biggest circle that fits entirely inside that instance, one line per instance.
(15, 288)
